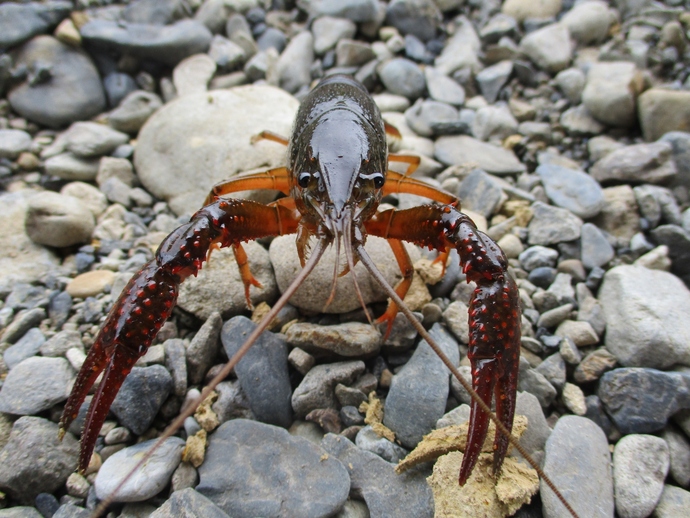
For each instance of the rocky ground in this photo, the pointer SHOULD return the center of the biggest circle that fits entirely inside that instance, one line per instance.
(563, 126)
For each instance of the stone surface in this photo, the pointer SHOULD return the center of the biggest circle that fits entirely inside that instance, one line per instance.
(274, 473)
(22, 21)
(571, 189)
(462, 150)
(549, 47)
(610, 93)
(317, 388)
(524, 9)
(650, 163)
(661, 111)
(188, 503)
(56, 220)
(349, 339)
(551, 225)
(644, 314)
(35, 385)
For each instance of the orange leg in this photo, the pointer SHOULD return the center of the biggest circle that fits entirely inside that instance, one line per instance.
(275, 179)
(399, 183)
(412, 161)
(148, 300)
(494, 317)
(269, 135)
(405, 265)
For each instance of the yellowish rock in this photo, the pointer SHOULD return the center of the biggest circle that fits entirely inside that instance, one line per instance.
(90, 284)
(205, 416)
(195, 449)
(418, 294)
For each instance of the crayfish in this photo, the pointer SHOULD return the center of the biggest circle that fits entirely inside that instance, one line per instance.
(336, 176)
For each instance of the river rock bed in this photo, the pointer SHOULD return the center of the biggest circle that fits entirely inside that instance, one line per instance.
(563, 126)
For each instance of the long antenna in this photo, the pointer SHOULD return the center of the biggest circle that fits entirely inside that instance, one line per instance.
(260, 328)
(374, 271)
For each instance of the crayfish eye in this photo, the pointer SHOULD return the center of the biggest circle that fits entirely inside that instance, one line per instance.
(379, 180)
(303, 179)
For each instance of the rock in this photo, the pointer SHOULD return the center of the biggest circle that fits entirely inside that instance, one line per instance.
(589, 22)
(673, 502)
(420, 18)
(134, 110)
(418, 392)
(368, 440)
(292, 70)
(641, 400)
(262, 372)
(328, 30)
(23, 21)
(227, 55)
(150, 478)
(203, 348)
(535, 383)
(481, 193)
(71, 89)
(522, 10)
(536, 256)
(312, 295)
(680, 141)
(13, 142)
(493, 78)
(619, 217)
(219, 286)
(60, 343)
(34, 460)
(549, 47)
(640, 465)
(601, 146)
(661, 111)
(317, 388)
(573, 190)
(140, 398)
(88, 195)
(596, 249)
(461, 150)
(188, 503)
(425, 116)
(494, 122)
(677, 240)
(461, 50)
(535, 437)
(35, 385)
(56, 220)
(552, 225)
(374, 480)
(355, 10)
(26, 347)
(651, 163)
(289, 476)
(593, 366)
(178, 157)
(641, 308)
(168, 44)
(442, 88)
(402, 77)
(577, 455)
(348, 339)
(90, 284)
(553, 369)
(578, 121)
(69, 167)
(86, 140)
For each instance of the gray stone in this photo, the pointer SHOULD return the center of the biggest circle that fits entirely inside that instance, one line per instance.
(494, 123)
(86, 140)
(141, 396)
(596, 249)
(601, 146)
(73, 91)
(578, 121)
(594, 365)
(536, 256)
(226, 54)
(424, 116)
(442, 88)
(232, 402)
(571, 82)
(151, 477)
(493, 78)
(355, 10)
(551, 225)
(22, 21)
(549, 47)
(620, 216)
(651, 163)
(293, 68)
(589, 22)
(374, 480)
(674, 502)
(573, 190)
(461, 50)
(533, 382)
(203, 348)
(554, 370)
(579, 464)
(418, 392)
(640, 465)
(26, 347)
(56, 220)
(187, 503)
(522, 10)
(644, 314)
(13, 142)
(481, 193)
(497, 27)
(328, 30)
(661, 111)
(680, 142)
(462, 150)
(679, 449)
(274, 474)
(178, 158)
(348, 339)
(368, 440)
(168, 44)
(403, 77)
(677, 241)
(35, 385)
(69, 167)
(420, 18)
(535, 437)
(641, 400)
(262, 372)
(317, 388)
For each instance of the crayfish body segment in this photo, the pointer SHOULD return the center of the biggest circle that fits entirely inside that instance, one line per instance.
(336, 177)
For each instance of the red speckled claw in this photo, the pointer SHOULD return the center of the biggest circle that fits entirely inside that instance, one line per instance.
(138, 314)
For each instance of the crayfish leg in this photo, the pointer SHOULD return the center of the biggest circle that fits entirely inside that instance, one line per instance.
(407, 271)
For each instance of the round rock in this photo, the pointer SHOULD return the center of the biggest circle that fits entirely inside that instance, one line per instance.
(35, 385)
(573, 190)
(551, 225)
(549, 47)
(403, 77)
(56, 220)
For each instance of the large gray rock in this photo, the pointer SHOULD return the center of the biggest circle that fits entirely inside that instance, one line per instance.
(71, 90)
(19, 22)
(272, 473)
(35, 385)
(551, 225)
(646, 320)
(579, 464)
(571, 189)
(651, 163)
(199, 140)
(549, 47)
(57, 220)
(611, 93)
(464, 150)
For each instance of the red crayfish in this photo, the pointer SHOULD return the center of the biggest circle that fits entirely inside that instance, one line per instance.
(336, 176)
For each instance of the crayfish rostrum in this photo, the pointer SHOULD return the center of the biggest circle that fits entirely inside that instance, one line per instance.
(336, 176)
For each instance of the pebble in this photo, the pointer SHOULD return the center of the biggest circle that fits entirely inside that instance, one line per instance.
(90, 284)
(571, 82)
(620, 216)
(610, 93)
(640, 465)
(594, 365)
(34, 460)
(70, 167)
(661, 111)
(551, 225)
(536, 256)
(134, 110)
(35, 385)
(56, 220)
(73, 91)
(403, 77)
(60, 343)
(385, 492)
(22, 21)
(571, 189)
(317, 388)
(674, 502)
(650, 163)
(151, 477)
(574, 399)
(13, 142)
(640, 306)
(26, 347)
(596, 249)
(461, 50)
(367, 439)
(420, 18)
(88, 195)
(141, 396)
(86, 140)
(641, 400)
(589, 22)
(424, 117)
(549, 47)
(329, 30)
(481, 193)
(522, 10)
(554, 370)
(291, 475)
(493, 78)
(679, 449)
(459, 150)
(419, 391)
(188, 502)
(349, 339)
(262, 372)
(578, 121)
(577, 456)
(657, 204)
(535, 383)
(442, 88)
(494, 123)
(292, 70)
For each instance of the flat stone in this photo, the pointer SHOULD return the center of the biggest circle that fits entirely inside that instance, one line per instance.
(551, 225)
(35, 385)
(328, 30)
(596, 249)
(674, 502)
(188, 503)
(274, 474)
(650, 163)
(13, 142)
(22, 21)
(348, 339)
(462, 150)
(661, 111)
(317, 388)
(461, 50)
(610, 93)
(619, 216)
(521, 10)
(571, 189)
(90, 284)
(549, 47)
